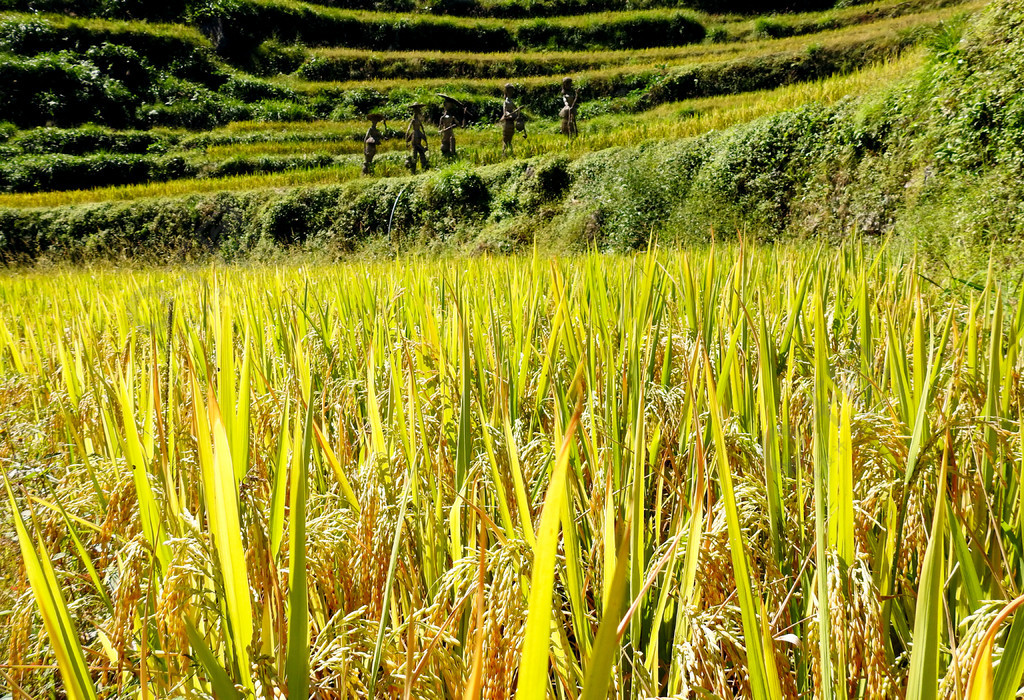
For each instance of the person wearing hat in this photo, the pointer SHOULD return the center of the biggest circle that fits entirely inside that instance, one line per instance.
(370, 143)
(416, 137)
(447, 125)
(510, 117)
(570, 101)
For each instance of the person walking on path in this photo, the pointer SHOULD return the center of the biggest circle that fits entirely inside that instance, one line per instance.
(416, 137)
(570, 103)
(511, 117)
(370, 142)
(447, 126)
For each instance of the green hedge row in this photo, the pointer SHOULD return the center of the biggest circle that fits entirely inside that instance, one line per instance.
(65, 172)
(229, 224)
(166, 10)
(374, 66)
(521, 9)
(83, 140)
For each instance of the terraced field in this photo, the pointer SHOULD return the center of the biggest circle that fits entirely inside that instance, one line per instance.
(276, 94)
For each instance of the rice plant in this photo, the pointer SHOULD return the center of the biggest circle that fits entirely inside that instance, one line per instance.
(743, 472)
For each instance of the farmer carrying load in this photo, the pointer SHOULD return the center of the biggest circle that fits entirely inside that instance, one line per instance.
(448, 124)
(370, 142)
(512, 119)
(416, 137)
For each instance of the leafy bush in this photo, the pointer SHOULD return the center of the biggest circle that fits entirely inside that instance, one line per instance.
(161, 46)
(248, 165)
(64, 172)
(636, 32)
(280, 111)
(294, 217)
(181, 103)
(61, 89)
(248, 89)
(273, 58)
(771, 28)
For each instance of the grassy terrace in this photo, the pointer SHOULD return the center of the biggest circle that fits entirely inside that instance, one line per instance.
(285, 133)
(629, 70)
(743, 36)
(686, 80)
(480, 145)
(253, 21)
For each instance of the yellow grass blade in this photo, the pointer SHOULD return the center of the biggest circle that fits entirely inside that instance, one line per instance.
(533, 664)
(760, 651)
(606, 645)
(297, 664)
(222, 506)
(52, 608)
(980, 684)
(475, 684)
(924, 657)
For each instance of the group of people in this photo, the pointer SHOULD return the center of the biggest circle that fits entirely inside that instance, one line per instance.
(511, 121)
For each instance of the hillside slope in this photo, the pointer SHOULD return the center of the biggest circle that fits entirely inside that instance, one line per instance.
(935, 157)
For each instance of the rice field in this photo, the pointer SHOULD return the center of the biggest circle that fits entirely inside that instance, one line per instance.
(756, 472)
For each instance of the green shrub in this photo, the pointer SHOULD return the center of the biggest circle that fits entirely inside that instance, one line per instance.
(195, 115)
(247, 89)
(273, 58)
(718, 35)
(638, 32)
(162, 47)
(65, 172)
(181, 103)
(254, 165)
(292, 218)
(771, 28)
(61, 89)
(85, 140)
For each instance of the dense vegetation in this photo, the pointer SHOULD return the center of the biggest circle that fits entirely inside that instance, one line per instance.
(744, 470)
(748, 130)
(779, 472)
